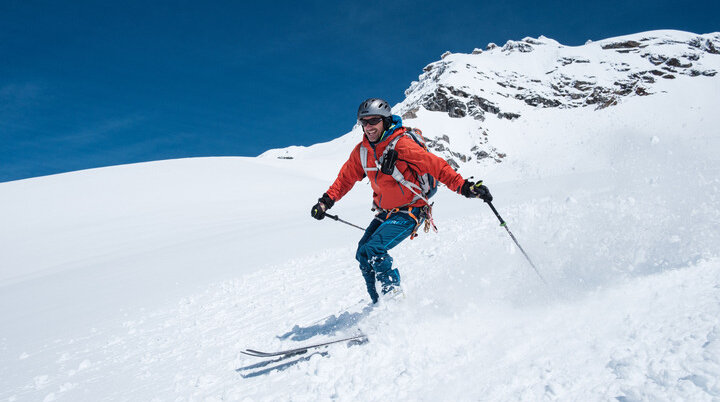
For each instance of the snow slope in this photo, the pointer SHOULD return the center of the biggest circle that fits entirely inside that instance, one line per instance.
(144, 282)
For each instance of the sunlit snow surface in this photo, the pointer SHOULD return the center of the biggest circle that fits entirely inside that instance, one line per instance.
(144, 282)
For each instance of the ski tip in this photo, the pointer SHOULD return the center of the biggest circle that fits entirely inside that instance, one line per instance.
(251, 352)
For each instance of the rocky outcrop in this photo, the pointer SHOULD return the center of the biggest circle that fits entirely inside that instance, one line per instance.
(458, 103)
(598, 77)
(481, 151)
(630, 44)
(706, 45)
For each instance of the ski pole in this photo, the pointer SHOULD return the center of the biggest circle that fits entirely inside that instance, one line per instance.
(503, 224)
(335, 217)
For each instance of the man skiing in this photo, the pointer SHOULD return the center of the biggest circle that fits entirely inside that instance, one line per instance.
(395, 164)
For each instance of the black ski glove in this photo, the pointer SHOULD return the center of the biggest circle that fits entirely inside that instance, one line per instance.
(476, 190)
(324, 203)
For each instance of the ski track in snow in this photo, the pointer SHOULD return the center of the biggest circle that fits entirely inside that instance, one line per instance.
(632, 313)
(455, 336)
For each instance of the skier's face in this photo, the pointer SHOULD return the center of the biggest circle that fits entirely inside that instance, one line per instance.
(372, 131)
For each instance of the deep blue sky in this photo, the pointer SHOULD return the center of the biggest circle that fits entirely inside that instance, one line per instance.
(88, 84)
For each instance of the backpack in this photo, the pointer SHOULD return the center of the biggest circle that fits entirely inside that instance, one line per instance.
(386, 165)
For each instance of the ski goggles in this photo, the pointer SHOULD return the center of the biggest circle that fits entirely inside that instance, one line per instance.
(371, 121)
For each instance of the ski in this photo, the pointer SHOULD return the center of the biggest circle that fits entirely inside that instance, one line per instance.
(356, 340)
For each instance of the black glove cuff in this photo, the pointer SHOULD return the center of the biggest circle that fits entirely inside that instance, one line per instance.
(465, 188)
(326, 200)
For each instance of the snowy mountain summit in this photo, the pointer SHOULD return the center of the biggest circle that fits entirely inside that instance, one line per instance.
(503, 82)
(148, 281)
(541, 72)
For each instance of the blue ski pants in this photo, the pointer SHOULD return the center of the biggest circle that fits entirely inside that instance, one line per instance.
(381, 235)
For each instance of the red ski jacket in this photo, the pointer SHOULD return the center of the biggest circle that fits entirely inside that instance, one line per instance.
(413, 161)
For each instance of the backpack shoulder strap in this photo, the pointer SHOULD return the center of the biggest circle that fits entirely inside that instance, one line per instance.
(363, 160)
(396, 174)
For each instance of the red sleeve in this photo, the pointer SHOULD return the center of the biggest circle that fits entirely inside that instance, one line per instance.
(427, 162)
(351, 173)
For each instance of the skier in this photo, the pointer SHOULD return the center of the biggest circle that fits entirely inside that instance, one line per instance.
(400, 204)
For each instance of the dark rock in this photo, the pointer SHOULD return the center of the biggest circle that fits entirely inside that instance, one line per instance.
(583, 85)
(410, 114)
(509, 116)
(600, 96)
(625, 89)
(458, 103)
(669, 76)
(522, 47)
(479, 154)
(623, 45)
(641, 91)
(434, 143)
(642, 76)
(531, 41)
(456, 108)
(475, 112)
(482, 155)
(676, 63)
(706, 45)
(439, 101)
(623, 67)
(648, 79)
(657, 59)
(458, 92)
(485, 105)
(608, 103)
(709, 73)
(710, 47)
(463, 158)
(538, 100)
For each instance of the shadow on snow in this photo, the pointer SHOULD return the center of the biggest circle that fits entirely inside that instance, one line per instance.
(329, 326)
